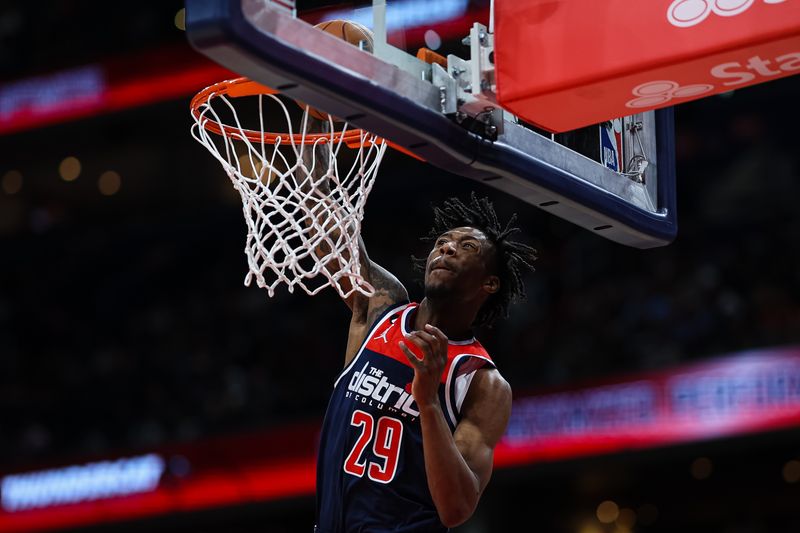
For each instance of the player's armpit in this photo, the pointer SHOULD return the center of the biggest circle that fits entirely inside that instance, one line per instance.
(484, 417)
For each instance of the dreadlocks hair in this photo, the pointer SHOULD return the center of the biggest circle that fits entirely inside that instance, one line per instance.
(513, 257)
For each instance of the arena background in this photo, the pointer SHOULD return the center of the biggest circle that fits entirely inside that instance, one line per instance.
(125, 328)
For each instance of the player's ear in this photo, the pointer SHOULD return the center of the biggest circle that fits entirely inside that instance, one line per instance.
(492, 284)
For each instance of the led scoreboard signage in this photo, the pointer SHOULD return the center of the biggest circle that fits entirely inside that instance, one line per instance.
(752, 392)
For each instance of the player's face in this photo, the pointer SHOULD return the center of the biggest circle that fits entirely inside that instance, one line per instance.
(460, 263)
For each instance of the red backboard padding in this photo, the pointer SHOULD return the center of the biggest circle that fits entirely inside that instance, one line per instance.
(564, 64)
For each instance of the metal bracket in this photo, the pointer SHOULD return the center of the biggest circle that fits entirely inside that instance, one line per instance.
(635, 155)
(447, 88)
(389, 53)
(474, 78)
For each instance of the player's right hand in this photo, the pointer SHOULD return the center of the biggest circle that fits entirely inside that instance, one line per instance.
(428, 369)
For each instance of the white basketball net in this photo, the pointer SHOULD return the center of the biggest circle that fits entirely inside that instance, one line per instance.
(303, 216)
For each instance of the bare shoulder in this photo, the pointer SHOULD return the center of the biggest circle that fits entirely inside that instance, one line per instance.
(489, 387)
(488, 404)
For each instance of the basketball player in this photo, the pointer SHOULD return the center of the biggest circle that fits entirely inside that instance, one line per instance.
(408, 438)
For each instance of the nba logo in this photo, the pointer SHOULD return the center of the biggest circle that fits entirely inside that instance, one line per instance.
(611, 144)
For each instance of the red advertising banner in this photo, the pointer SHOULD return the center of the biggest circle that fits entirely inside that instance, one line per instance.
(744, 394)
(749, 393)
(588, 61)
(106, 87)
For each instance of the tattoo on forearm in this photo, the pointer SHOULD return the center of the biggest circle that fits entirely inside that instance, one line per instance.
(388, 291)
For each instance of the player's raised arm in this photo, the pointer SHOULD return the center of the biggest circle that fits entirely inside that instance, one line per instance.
(388, 289)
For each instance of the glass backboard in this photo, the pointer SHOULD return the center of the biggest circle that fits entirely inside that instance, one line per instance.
(616, 179)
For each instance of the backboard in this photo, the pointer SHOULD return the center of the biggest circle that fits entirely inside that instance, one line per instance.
(621, 187)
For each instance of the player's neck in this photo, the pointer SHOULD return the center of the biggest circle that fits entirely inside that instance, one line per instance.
(454, 321)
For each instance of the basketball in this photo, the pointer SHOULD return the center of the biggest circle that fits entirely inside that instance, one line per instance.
(352, 32)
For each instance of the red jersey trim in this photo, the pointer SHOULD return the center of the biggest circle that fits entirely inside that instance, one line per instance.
(368, 339)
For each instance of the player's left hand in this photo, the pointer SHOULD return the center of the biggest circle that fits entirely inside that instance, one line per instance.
(427, 370)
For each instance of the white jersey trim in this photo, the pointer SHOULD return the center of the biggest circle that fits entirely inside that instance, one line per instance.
(404, 318)
(368, 338)
(461, 386)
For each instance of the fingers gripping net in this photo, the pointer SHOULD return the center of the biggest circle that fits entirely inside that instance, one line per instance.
(303, 215)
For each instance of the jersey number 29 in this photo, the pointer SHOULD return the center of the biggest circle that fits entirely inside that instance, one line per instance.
(388, 433)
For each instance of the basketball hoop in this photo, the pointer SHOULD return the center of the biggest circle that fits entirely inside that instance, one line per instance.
(303, 217)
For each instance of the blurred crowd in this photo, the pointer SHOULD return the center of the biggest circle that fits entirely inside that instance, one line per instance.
(29, 31)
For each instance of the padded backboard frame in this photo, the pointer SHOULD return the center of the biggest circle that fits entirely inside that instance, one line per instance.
(267, 43)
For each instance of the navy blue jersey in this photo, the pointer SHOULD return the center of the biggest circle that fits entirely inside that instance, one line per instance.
(371, 470)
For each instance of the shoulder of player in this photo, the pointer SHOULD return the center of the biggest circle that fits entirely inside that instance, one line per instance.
(491, 386)
(489, 397)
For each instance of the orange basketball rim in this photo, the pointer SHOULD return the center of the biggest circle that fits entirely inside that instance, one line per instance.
(242, 87)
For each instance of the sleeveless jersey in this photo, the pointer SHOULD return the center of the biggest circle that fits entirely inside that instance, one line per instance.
(370, 469)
